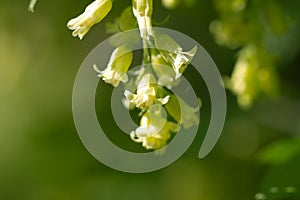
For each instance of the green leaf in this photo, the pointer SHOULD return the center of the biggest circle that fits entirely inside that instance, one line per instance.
(31, 5)
(127, 21)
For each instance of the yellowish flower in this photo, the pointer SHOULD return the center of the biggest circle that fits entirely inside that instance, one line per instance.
(93, 14)
(154, 130)
(253, 76)
(146, 93)
(181, 60)
(142, 10)
(172, 52)
(117, 67)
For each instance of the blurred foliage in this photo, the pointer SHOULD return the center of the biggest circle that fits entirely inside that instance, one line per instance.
(245, 25)
(41, 154)
(280, 152)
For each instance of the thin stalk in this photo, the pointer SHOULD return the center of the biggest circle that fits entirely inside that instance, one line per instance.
(147, 55)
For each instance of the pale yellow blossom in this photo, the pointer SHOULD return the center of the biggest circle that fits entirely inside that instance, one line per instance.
(93, 14)
(146, 93)
(117, 67)
(154, 131)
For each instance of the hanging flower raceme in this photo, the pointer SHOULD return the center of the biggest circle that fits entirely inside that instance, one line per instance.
(93, 14)
(173, 53)
(142, 10)
(253, 76)
(154, 130)
(117, 67)
(146, 95)
(166, 61)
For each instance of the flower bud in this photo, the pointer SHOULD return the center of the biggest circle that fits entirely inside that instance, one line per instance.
(173, 54)
(142, 10)
(93, 14)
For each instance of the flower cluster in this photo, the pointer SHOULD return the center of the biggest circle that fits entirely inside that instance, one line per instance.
(154, 130)
(254, 75)
(146, 95)
(161, 112)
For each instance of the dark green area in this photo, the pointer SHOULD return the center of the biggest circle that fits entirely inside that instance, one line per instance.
(42, 157)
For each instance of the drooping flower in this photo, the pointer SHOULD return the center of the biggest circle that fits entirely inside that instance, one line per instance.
(117, 67)
(93, 14)
(174, 54)
(154, 130)
(142, 10)
(146, 95)
(182, 59)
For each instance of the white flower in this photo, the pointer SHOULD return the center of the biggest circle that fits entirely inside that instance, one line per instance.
(172, 52)
(154, 130)
(117, 67)
(146, 93)
(93, 14)
(111, 76)
(181, 60)
(148, 136)
(142, 10)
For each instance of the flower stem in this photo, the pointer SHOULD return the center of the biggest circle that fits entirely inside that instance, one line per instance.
(147, 55)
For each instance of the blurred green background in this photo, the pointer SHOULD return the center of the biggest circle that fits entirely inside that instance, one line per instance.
(42, 157)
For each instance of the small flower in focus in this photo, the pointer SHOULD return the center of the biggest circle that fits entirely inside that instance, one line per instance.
(142, 10)
(93, 14)
(154, 130)
(146, 95)
(182, 60)
(173, 54)
(117, 67)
